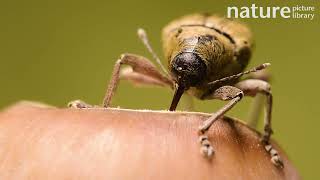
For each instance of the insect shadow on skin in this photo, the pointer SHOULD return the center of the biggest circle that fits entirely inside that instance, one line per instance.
(207, 55)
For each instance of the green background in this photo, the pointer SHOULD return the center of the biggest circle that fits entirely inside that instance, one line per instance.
(57, 51)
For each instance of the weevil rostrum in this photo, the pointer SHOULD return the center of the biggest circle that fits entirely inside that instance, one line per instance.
(206, 55)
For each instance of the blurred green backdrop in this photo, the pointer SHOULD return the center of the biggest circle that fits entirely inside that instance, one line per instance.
(57, 51)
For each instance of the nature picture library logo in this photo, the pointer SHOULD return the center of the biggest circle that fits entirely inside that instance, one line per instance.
(295, 12)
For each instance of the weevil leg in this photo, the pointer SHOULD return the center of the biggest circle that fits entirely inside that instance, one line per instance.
(263, 75)
(226, 93)
(252, 87)
(139, 79)
(188, 102)
(255, 110)
(141, 67)
(78, 104)
(258, 101)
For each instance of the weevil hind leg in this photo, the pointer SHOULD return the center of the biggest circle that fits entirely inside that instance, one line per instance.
(255, 110)
(225, 93)
(252, 87)
(188, 104)
(143, 71)
(258, 101)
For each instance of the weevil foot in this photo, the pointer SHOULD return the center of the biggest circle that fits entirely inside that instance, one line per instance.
(275, 157)
(206, 148)
(78, 104)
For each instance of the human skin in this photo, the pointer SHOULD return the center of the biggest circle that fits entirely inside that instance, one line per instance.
(43, 142)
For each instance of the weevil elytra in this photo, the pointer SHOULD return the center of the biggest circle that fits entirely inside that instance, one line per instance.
(206, 55)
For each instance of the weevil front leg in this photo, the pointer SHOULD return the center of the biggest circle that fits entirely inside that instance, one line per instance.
(140, 72)
(252, 87)
(143, 71)
(226, 93)
(79, 104)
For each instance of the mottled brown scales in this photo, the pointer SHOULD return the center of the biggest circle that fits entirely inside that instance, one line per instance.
(223, 44)
(206, 56)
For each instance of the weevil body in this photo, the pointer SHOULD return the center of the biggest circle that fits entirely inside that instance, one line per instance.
(206, 55)
(219, 48)
(222, 44)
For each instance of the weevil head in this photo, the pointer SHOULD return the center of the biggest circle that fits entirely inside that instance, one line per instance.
(188, 70)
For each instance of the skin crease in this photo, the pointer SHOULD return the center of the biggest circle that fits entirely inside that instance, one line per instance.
(43, 142)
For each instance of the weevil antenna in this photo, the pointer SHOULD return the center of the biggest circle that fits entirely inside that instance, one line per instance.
(143, 36)
(255, 69)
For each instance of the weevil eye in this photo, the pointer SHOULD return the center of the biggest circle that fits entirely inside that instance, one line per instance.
(188, 68)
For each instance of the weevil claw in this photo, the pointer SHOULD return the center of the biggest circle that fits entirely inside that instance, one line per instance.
(207, 151)
(275, 157)
(206, 148)
(276, 160)
(78, 104)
